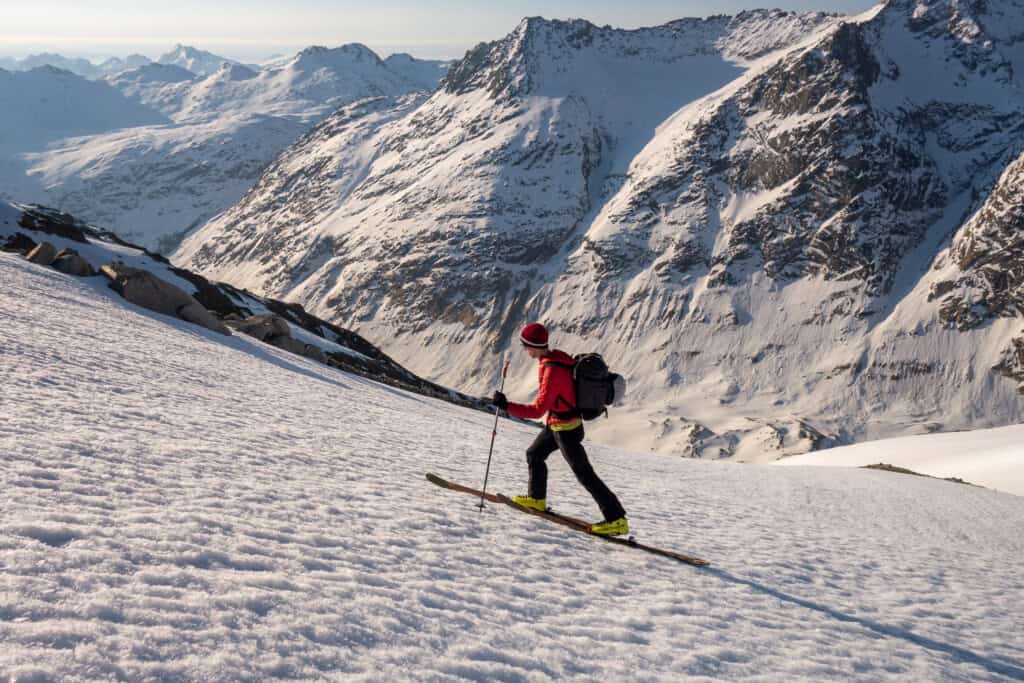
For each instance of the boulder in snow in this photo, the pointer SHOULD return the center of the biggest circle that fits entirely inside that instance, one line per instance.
(288, 343)
(19, 243)
(71, 262)
(214, 297)
(144, 289)
(263, 327)
(43, 254)
(316, 353)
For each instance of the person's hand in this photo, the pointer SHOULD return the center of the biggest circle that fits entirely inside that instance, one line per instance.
(499, 401)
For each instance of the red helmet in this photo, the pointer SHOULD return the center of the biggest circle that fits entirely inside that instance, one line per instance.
(534, 335)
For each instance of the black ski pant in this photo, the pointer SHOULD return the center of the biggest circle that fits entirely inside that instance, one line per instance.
(571, 444)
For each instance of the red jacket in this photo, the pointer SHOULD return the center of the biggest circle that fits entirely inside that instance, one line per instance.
(557, 393)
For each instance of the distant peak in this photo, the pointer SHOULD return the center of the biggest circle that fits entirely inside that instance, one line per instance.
(360, 51)
(348, 53)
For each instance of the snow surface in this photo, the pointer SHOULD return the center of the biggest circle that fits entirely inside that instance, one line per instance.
(986, 457)
(183, 506)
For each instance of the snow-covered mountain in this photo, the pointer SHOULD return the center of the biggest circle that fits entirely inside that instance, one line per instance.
(155, 183)
(193, 59)
(163, 87)
(426, 73)
(181, 505)
(309, 85)
(46, 104)
(76, 65)
(312, 84)
(115, 65)
(756, 218)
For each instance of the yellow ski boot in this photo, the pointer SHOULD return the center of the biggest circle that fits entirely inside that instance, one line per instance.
(539, 504)
(618, 527)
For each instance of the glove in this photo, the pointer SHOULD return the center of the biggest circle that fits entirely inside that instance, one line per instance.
(499, 401)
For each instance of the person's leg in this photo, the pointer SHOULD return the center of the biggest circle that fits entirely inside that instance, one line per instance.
(571, 445)
(543, 446)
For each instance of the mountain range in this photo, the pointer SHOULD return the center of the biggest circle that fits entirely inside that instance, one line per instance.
(787, 230)
(198, 62)
(153, 151)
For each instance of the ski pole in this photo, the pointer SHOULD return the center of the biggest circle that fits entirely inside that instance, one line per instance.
(494, 433)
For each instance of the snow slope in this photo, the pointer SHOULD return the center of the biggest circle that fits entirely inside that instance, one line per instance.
(426, 73)
(152, 184)
(183, 506)
(313, 83)
(987, 457)
(46, 104)
(163, 87)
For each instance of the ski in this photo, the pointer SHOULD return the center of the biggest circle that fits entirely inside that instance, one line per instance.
(570, 522)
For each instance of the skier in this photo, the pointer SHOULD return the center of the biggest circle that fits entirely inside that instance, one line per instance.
(563, 431)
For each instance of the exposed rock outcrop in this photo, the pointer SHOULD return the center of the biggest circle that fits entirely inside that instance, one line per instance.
(145, 289)
(43, 254)
(340, 348)
(19, 243)
(71, 262)
(262, 327)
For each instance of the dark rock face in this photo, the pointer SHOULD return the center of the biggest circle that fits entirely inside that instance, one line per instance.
(262, 327)
(19, 243)
(989, 254)
(1011, 364)
(855, 186)
(52, 222)
(220, 299)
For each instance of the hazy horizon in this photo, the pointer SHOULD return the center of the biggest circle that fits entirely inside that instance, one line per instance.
(444, 29)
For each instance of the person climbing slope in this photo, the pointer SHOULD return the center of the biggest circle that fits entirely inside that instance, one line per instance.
(563, 431)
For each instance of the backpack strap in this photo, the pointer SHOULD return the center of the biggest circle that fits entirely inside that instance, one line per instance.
(565, 415)
(572, 411)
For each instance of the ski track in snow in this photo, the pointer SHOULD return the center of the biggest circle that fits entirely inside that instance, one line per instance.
(181, 506)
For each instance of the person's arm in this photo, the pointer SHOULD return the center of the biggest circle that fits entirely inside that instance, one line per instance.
(540, 405)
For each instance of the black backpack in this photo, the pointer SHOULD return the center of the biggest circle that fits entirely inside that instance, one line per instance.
(595, 385)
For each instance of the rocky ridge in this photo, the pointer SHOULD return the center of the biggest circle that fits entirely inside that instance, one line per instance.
(150, 281)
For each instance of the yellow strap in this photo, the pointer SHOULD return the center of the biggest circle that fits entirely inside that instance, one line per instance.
(565, 426)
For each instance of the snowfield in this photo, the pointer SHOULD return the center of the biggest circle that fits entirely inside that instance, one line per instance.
(993, 458)
(182, 506)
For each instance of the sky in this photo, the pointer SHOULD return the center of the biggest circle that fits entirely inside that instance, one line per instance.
(256, 29)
